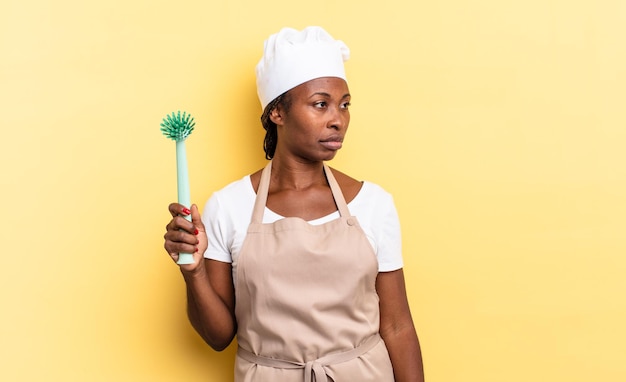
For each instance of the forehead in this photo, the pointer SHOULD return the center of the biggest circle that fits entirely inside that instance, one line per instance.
(334, 86)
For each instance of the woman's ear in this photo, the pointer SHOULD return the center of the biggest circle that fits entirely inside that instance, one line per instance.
(276, 115)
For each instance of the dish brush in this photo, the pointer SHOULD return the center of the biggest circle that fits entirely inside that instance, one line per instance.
(178, 126)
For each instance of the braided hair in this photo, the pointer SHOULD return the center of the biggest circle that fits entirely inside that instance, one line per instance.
(271, 133)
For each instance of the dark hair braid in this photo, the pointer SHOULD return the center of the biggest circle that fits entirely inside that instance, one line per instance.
(271, 133)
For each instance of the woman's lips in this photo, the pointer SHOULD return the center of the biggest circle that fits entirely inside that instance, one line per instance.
(332, 143)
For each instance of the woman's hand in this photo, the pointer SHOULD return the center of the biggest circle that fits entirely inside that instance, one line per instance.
(185, 236)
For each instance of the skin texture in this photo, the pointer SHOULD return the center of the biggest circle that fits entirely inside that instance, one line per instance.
(310, 131)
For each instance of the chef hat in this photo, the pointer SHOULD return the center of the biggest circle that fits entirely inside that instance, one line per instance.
(293, 57)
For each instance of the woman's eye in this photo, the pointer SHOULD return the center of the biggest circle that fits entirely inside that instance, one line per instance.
(345, 105)
(320, 104)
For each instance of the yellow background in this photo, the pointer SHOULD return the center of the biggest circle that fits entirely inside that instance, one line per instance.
(499, 127)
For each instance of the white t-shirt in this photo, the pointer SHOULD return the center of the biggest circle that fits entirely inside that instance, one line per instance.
(228, 211)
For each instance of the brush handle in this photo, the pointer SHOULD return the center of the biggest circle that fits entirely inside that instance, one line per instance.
(184, 197)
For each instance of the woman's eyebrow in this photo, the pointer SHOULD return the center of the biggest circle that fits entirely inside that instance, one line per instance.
(324, 94)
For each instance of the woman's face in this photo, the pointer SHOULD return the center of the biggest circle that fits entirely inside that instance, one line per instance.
(314, 123)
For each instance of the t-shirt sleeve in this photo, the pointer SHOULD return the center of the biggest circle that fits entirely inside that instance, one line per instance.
(218, 230)
(386, 229)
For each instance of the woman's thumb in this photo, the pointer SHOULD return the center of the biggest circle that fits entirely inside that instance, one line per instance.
(196, 219)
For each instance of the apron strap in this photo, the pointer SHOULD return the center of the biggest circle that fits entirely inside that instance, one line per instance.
(340, 201)
(315, 368)
(261, 197)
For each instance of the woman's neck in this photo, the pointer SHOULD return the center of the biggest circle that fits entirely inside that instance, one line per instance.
(297, 175)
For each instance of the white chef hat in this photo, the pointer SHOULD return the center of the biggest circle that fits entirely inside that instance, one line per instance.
(292, 57)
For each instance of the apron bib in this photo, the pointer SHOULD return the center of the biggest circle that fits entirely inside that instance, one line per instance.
(306, 302)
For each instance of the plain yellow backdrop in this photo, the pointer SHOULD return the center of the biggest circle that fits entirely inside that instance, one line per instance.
(499, 127)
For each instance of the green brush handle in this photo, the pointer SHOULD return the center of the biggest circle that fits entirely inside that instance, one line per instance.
(183, 191)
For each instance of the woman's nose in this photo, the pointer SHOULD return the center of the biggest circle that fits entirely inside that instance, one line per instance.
(338, 118)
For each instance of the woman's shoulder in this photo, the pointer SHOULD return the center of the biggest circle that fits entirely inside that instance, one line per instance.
(235, 190)
(350, 187)
(255, 179)
(231, 201)
(361, 191)
(373, 196)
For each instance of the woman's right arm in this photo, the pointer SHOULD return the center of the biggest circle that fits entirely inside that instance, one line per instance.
(210, 292)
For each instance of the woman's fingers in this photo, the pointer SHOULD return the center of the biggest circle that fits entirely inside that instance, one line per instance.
(183, 236)
(180, 230)
(176, 248)
(180, 242)
(177, 209)
(180, 223)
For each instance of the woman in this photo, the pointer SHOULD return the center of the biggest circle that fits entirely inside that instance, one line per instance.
(310, 255)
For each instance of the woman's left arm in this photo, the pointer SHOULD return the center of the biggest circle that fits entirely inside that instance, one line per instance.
(397, 328)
